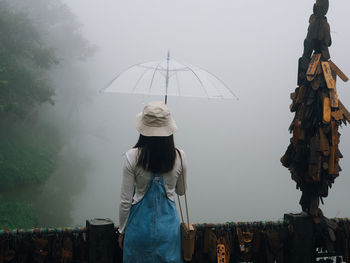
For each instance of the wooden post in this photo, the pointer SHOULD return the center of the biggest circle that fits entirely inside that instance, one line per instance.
(300, 247)
(100, 233)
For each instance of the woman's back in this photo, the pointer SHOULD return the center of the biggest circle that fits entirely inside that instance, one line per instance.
(136, 181)
(154, 172)
(142, 177)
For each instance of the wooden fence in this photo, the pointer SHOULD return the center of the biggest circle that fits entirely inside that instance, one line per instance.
(298, 238)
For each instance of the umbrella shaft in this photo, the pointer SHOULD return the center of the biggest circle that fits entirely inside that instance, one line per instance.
(167, 79)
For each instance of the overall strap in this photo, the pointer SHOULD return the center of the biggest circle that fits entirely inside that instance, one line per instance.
(156, 175)
(183, 182)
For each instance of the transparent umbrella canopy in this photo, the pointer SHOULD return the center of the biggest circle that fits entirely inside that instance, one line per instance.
(169, 78)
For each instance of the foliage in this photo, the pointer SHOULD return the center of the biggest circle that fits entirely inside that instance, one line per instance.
(17, 215)
(27, 154)
(27, 151)
(23, 60)
(35, 36)
(55, 21)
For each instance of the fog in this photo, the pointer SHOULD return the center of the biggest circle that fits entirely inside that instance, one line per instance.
(233, 147)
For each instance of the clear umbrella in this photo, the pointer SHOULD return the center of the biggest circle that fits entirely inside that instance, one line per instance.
(169, 78)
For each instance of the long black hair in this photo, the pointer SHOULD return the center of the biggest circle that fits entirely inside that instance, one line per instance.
(156, 154)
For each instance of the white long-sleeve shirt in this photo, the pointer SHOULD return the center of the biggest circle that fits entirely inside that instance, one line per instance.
(136, 180)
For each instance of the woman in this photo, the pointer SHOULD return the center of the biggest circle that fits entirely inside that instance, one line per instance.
(154, 172)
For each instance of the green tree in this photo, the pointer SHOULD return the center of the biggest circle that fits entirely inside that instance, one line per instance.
(27, 153)
(40, 46)
(22, 54)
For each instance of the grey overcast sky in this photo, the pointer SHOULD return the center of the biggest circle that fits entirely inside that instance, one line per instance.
(233, 147)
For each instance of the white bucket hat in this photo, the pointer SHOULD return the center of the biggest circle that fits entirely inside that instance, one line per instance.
(155, 120)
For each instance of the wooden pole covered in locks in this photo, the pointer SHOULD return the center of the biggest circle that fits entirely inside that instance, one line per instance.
(313, 155)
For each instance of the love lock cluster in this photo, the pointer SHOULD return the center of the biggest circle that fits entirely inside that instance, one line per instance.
(313, 154)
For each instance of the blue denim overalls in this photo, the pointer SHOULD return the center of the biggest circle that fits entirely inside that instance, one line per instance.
(152, 233)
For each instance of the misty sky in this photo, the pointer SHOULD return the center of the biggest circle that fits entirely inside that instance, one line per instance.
(233, 147)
